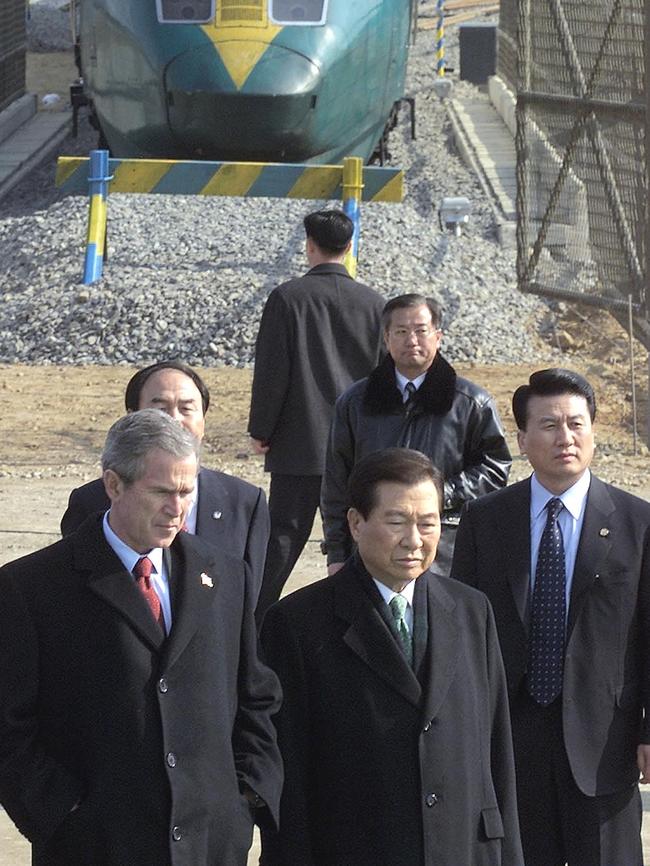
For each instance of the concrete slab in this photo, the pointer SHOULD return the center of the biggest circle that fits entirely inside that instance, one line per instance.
(486, 145)
(30, 143)
(18, 113)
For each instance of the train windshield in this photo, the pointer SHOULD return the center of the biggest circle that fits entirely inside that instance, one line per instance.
(185, 11)
(298, 11)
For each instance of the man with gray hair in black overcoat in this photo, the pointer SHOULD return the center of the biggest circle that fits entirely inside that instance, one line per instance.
(135, 716)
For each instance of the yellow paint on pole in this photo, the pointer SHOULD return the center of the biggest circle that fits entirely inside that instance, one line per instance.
(97, 223)
(352, 193)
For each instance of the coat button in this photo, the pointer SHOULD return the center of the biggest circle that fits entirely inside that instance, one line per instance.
(431, 800)
(171, 759)
(162, 686)
(176, 834)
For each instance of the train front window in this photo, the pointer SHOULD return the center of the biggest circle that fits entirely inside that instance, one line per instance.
(298, 11)
(185, 11)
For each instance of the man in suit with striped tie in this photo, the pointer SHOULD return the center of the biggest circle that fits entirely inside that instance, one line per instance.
(135, 716)
(565, 560)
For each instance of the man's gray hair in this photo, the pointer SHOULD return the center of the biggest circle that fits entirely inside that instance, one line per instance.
(132, 437)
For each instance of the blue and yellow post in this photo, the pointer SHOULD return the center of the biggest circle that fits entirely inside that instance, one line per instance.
(440, 39)
(352, 194)
(98, 179)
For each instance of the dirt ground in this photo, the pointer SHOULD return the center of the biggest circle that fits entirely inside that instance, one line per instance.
(54, 420)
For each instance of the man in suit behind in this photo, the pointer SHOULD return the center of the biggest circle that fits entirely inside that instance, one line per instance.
(226, 511)
(135, 716)
(565, 561)
(394, 727)
(318, 334)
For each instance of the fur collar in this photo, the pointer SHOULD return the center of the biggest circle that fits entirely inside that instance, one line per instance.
(434, 396)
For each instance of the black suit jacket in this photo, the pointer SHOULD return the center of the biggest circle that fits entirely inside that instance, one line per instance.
(318, 334)
(383, 766)
(607, 661)
(232, 516)
(148, 734)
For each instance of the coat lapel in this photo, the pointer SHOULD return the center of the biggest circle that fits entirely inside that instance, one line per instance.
(443, 645)
(195, 588)
(593, 547)
(369, 638)
(211, 508)
(517, 523)
(109, 580)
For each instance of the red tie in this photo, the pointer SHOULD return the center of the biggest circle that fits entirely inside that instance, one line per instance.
(142, 571)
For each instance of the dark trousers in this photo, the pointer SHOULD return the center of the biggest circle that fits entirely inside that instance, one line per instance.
(293, 502)
(559, 824)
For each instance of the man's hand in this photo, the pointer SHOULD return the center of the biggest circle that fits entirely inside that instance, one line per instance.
(643, 761)
(259, 446)
(334, 567)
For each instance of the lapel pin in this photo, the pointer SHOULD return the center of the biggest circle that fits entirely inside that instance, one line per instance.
(216, 515)
(206, 580)
(604, 532)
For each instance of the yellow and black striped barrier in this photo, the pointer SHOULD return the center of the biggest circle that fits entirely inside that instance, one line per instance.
(248, 179)
(352, 182)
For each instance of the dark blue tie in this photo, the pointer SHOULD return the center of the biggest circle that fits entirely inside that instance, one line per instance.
(409, 403)
(546, 654)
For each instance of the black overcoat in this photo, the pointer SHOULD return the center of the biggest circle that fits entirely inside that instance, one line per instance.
(318, 334)
(383, 766)
(151, 736)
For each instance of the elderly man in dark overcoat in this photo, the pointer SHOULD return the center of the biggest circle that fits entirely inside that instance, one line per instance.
(394, 727)
(135, 716)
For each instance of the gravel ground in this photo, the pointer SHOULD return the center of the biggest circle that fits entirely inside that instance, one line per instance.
(188, 276)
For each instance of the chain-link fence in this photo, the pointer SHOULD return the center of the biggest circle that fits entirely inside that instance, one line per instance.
(582, 179)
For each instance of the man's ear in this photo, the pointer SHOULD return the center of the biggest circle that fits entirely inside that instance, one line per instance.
(355, 521)
(113, 484)
(521, 441)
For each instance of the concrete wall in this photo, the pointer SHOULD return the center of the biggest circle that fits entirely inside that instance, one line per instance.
(12, 51)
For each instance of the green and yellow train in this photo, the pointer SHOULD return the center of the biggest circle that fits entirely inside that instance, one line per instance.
(258, 80)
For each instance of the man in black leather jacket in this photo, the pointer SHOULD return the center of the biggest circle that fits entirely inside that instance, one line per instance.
(414, 399)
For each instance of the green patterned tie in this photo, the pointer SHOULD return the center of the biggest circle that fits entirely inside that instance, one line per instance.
(398, 608)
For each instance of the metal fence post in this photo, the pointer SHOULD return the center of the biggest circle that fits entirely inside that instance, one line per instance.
(352, 192)
(98, 192)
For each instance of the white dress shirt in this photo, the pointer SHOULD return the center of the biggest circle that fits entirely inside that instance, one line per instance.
(129, 558)
(570, 520)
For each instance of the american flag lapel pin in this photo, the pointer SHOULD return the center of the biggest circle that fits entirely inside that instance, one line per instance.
(206, 580)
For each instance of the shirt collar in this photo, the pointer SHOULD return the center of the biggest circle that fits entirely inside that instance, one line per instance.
(127, 556)
(573, 499)
(402, 380)
(387, 593)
